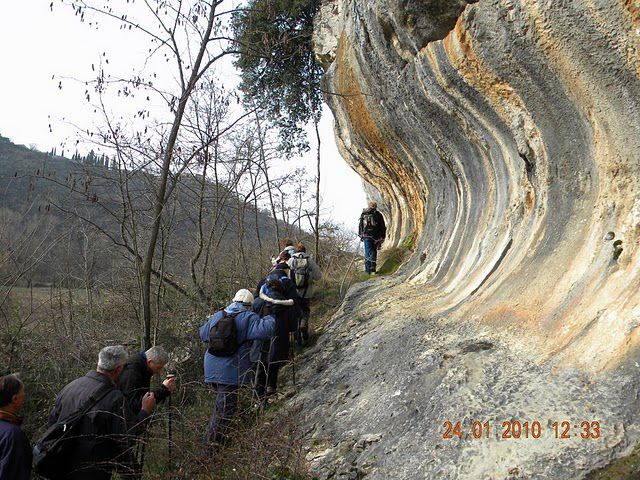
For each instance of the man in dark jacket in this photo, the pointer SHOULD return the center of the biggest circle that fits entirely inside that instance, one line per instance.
(135, 381)
(102, 440)
(15, 450)
(372, 231)
(228, 373)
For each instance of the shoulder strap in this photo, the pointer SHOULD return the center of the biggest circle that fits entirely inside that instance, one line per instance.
(93, 400)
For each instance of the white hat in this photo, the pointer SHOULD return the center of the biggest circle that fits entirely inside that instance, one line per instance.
(244, 296)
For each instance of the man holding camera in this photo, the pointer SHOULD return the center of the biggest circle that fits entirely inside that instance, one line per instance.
(135, 382)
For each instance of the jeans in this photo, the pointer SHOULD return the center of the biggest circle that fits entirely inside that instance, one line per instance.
(370, 254)
(223, 412)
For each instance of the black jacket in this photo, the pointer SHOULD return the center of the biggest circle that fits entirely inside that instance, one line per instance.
(134, 382)
(284, 310)
(380, 230)
(102, 441)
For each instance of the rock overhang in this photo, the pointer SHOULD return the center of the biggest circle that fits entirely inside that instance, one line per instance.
(504, 135)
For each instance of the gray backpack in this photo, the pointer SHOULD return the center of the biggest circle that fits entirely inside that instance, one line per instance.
(300, 272)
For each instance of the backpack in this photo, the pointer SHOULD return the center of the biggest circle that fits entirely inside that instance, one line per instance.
(52, 452)
(223, 338)
(369, 223)
(300, 272)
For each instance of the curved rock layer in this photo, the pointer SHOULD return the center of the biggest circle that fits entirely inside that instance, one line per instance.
(505, 135)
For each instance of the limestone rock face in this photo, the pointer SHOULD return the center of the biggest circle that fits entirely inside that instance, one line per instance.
(504, 134)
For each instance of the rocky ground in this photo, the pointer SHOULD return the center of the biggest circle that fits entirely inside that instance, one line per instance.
(380, 384)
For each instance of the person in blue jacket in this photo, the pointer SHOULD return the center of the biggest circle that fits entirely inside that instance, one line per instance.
(15, 449)
(228, 374)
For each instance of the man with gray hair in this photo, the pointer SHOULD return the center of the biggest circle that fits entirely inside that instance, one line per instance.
(101, 441)
(135, 382)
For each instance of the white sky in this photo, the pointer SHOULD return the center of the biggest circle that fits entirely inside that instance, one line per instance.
(37, 44)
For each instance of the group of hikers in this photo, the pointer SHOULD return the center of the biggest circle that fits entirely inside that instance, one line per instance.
(98, 419)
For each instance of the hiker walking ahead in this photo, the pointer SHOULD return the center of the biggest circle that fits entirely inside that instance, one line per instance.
(274, 352)
(15, 449)
(227, 362)
(372, 231)
(100, 440)
(304, 272)
(287, 246)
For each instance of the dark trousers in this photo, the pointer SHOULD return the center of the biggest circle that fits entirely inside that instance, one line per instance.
(370, 254)
(223, 413)
(266, 376)
(302, 334)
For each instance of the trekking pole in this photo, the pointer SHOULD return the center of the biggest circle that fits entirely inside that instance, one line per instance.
(344, 278)
(170, 435)
(293, 363)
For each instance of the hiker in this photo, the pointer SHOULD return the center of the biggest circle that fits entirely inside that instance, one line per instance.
(15, 449)
(228, 366)
(278, 263)
(134, 382)
(100, 441)
(287, 246)
(304, 272)
(281, 271)
(372, 232)
(272, 301)
(287, 251)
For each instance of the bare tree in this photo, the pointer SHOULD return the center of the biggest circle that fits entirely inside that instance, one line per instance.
(184, 33)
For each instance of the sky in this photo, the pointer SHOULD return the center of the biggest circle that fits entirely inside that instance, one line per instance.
(43, 49)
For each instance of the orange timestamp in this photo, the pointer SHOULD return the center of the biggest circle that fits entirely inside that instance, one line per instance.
(515, 429)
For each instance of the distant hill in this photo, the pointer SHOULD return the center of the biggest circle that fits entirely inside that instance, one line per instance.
(68, 215)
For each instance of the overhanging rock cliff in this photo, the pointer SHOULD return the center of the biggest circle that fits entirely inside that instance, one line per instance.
(504, 135)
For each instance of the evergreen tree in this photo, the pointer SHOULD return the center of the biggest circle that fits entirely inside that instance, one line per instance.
(278, 69)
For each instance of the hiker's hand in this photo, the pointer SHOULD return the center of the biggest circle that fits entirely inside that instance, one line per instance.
(170, 384)
(148, 403)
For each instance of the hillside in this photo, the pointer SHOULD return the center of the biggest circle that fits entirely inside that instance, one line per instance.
(71, 206)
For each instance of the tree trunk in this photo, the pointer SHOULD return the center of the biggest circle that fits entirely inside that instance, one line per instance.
(164, 176)
(317, 227)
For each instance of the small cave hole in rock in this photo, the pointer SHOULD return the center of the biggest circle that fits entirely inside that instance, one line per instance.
(617, 249)
(609, 236)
